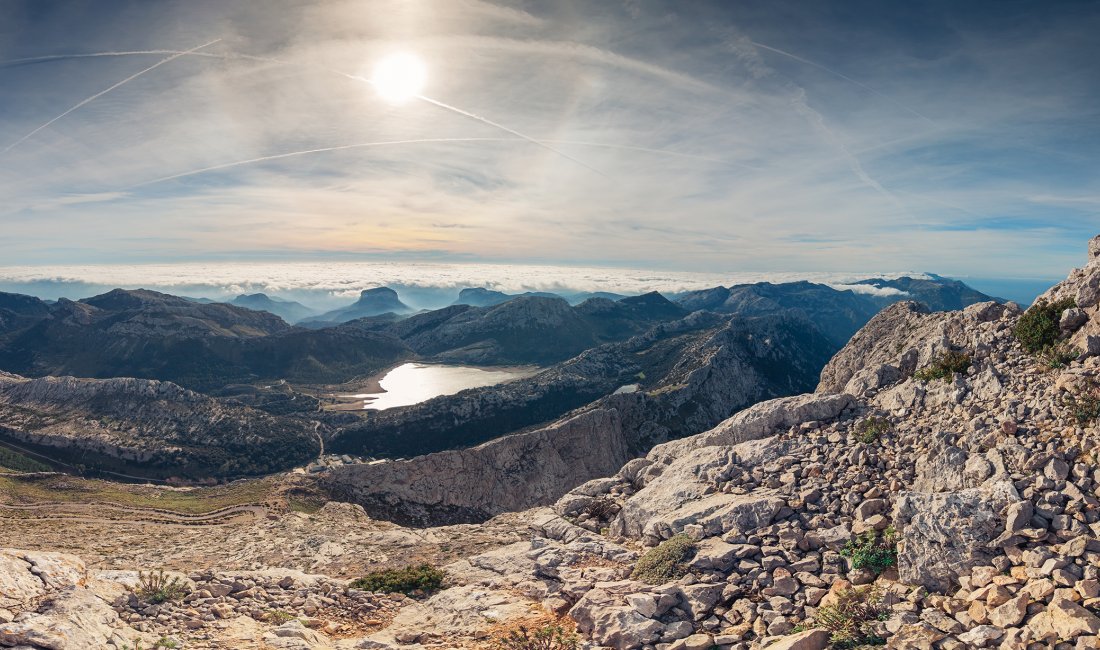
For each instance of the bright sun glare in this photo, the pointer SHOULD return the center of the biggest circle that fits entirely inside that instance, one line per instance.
(399, 77)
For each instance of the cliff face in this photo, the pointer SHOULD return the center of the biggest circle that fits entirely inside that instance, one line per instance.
(148, 428)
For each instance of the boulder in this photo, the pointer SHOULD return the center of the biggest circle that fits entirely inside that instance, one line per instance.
(611, 621)
(944, 535)
(808, 640)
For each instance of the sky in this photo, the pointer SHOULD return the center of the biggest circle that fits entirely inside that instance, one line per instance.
(756, 136)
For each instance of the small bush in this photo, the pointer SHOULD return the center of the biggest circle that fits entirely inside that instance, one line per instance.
(1058, 356)
(850, 618)
(872, 550)
(549, 637)
(665, 562)
(278, 616)
(944, 366)
(1084, 404)
(1039, 327)
(155, 587)
(871, 429)
(423, 578)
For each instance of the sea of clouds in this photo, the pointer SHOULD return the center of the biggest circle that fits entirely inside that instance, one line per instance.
(422, 285)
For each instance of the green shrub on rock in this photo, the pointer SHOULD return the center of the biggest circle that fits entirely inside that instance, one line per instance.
(665, 562)
(549, 637)
(156, 587)
(871, 429)
(1039, 328)
(944, 366)
(422, 578)
(1084, 403)
(873, 550)
(850, 617)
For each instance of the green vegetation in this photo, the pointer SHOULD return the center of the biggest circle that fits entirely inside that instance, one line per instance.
(16, 461)
(850, 617)
(1058, 355)
(871, 429)
(1084, 403)
(665, 562)
(944, 366)
(156, 587)
(162, 642)
(872, 550)
(1038, 328)
(278, 616)
(548, 637)
(421, 578)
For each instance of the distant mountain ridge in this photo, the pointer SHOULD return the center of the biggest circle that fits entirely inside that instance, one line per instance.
(838, 313)
(372, 302)
(288, 310)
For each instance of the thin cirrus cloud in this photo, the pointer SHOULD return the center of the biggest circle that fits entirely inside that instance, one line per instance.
(706, 137)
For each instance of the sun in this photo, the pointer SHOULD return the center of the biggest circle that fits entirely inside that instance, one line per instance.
(399, 77)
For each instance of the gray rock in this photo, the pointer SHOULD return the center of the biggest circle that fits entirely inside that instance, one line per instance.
(944, 535)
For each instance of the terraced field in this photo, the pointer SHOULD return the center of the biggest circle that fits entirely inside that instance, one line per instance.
(50, 496)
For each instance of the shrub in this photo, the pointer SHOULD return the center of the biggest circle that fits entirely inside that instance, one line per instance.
(278, 616)
(155, 587)
(549, 637)
(665, 562)
(872, 550)
(944, 366)
(1038, 328)
(872, 429)
(1084, 404)
(423, 578)
(1058, 356)
(849, 618)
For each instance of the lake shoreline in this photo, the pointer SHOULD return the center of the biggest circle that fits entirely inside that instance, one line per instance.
(358, 396)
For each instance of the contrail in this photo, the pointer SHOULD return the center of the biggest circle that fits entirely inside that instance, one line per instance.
(662, 152)
(346, 75)
(844, 77)
(292, 154)
(514, 132)
(104, 92)
(366, 145)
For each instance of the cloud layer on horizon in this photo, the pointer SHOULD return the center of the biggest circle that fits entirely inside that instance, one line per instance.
(327, 284)
(756, 136)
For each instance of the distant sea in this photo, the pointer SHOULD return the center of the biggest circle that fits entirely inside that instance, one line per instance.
(1021, 290)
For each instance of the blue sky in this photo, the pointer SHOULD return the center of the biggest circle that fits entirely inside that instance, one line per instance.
(958, 138)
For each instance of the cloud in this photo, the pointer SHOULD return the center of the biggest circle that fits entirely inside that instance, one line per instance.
(341, 281)
(871, 290)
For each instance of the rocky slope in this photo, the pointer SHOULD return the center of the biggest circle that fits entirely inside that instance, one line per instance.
(148, 428)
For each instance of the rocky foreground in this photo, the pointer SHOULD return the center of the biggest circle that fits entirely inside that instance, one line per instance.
(940, 489)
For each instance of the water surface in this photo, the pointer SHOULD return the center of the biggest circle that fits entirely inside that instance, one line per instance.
(412, 383)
